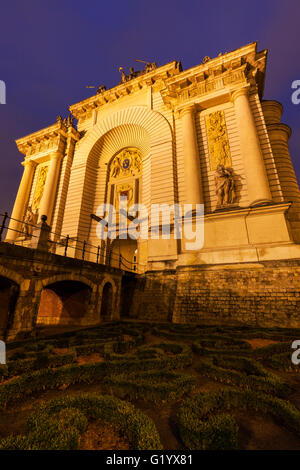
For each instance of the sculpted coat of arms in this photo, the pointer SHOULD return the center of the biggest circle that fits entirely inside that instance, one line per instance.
(128, 162)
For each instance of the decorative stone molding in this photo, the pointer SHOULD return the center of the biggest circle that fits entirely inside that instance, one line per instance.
(225, 72)
(154, 123)
(47, 140)
(156, 77)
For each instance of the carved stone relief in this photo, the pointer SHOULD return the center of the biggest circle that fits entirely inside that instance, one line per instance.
(126, 163)
(218, 144)
(39, 187)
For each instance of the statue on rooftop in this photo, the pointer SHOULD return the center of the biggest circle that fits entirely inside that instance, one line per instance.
(101, 89)
(132, 73)
(123, 75)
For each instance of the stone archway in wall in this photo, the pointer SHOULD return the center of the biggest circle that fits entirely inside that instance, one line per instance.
(123, 254)
(106, 313)
(64, 302)
(9, 293)
(109, 303)
(136, 126)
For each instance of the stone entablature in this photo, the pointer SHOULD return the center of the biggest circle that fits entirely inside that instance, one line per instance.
(48, 140)
(219, 76)
(154, 78)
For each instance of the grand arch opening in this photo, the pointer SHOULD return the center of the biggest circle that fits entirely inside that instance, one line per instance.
(64, 303)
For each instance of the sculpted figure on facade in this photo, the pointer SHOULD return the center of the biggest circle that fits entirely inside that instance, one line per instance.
(29, 220)
(69, 121)
(40, 187)
(115, 168)
(217, 140)
(225, 186)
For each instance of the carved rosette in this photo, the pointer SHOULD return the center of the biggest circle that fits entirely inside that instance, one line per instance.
(218, 144)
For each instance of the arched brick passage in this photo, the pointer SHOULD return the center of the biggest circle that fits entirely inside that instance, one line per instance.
(9, 291)
(107, 302)
(64, 303)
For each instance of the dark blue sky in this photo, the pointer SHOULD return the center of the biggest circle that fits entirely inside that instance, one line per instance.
(50, 50)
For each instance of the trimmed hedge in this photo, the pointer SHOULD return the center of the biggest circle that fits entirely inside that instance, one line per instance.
(277, 356)
(154, 356)
(266, 352)
(36, 362)
(59, 423)
(202, 426)
(217, 342)
(60, 431)
(156, 386)
(47, 379)
(243, 372)
(65, 376)
(283, 361)
(100, 346)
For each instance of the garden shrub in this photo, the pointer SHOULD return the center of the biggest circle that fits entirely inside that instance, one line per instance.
(59, 423)
(45, 379)
(60, 431)
(199, 427)
(243, 372)
(39, 361)
(156, 386)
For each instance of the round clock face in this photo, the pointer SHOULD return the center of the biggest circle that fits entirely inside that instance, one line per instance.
(125, 163)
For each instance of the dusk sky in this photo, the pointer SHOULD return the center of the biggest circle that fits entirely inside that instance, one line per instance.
(50, 51)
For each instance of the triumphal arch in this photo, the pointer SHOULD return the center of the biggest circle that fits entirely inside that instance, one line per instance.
(203, 136)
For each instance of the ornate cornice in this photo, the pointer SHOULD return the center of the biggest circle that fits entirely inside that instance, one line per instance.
(48, 139)
(155, 78)
(215, 76)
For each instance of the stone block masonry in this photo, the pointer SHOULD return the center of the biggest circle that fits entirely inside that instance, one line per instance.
(263, 294)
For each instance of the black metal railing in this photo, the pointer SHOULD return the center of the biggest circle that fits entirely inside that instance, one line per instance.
(81, 249)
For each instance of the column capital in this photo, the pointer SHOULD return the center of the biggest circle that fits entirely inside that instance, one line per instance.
(240, 92)
(29, 163)
(189, 109)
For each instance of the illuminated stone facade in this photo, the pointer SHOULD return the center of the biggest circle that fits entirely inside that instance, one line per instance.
(167, 136)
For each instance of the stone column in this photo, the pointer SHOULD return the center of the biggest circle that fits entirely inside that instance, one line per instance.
(254, 166)
(192, 169)
(47, 202)
(279, 135)
(21, 200)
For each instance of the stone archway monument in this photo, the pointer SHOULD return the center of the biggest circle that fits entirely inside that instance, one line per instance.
(205, 138)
